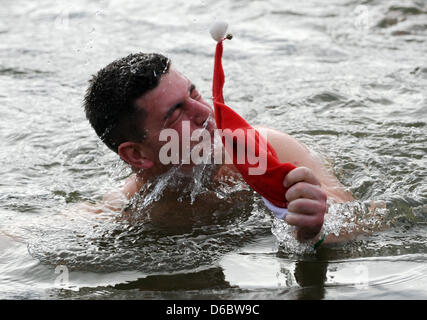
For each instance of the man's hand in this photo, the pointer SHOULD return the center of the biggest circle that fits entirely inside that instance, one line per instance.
(307, 203)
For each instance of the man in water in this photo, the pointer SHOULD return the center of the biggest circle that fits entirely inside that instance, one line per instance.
(130, 102)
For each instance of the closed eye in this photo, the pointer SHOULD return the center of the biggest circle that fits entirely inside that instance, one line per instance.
(172, 110)
(194, 94)
(172, 114)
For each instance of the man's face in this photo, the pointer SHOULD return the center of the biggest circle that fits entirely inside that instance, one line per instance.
(174, 101)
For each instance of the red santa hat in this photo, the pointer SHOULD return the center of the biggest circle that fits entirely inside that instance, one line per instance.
(270, 184)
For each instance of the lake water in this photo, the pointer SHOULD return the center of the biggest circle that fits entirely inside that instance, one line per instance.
(347, 78)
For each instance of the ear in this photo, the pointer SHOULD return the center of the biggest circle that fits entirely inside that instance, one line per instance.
(132, 153)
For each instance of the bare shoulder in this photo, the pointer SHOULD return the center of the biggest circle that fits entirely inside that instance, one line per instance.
(132, 185)
(114, 200)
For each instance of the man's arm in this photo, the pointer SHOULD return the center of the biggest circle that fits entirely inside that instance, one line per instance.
(289, 149)
(309, 187)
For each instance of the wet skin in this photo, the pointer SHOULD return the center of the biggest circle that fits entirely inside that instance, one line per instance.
(175, 100)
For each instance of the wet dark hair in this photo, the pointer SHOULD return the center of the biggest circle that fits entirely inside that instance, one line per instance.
(110, 97)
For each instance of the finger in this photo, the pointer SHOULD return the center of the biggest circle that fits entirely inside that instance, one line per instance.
(307, 207)
(300, 174)
(305, 190)
(307, 224)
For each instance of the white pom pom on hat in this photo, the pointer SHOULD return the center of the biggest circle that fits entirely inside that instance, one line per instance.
(218, 30)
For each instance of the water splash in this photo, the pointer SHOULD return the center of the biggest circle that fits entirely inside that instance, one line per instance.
(342, 219)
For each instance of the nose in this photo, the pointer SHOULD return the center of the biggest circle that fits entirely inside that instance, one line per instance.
(199, 112)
